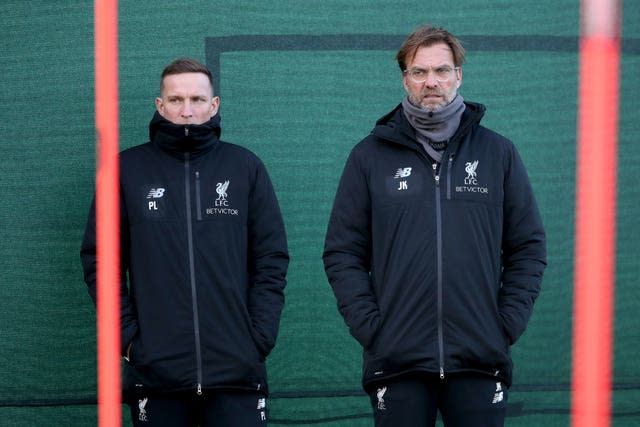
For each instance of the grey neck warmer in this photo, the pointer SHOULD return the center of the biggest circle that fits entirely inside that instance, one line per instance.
(434, 128)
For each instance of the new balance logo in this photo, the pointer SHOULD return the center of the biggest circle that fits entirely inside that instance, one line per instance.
(155, 193)
(402, 173)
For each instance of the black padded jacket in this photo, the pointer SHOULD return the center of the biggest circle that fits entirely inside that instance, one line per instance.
(205, 254)
(435, 267)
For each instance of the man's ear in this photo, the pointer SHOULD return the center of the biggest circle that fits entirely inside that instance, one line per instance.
(160, 106)
(215, 105)
(404, 83)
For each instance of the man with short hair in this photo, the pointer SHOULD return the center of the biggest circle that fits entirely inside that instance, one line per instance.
(203, 245)
(435, 249)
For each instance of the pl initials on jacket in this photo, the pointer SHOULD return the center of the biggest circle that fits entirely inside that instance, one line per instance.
(435, 266)
(204, 247)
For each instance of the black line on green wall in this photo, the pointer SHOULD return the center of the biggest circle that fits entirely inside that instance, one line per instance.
(216, 46)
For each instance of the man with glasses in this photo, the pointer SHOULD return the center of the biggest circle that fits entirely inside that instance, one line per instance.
(205, 254)
(435, 249)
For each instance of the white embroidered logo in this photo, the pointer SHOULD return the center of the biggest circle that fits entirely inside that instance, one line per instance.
(155, 193)
(471, 184)
(221, 189)
(142, 413)
(470, 169)
(402, 173)
(499, 394)
(262, 404)
(380, 395)
(221, 205)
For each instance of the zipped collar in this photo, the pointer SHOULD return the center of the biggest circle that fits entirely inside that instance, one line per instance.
(177, 140)
(395, 128)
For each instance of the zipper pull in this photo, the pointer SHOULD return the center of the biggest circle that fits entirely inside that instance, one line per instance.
(199, 391)
(186, 131)
(441, 373)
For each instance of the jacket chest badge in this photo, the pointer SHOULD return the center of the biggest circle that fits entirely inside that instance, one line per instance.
(470, 169)
(400, 174)
(153, 198)
(471, 181)
(222, 205)
(221, 189)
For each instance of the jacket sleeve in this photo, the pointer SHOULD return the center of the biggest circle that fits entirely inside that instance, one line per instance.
(523, 250)
(128, 318)
(347, 253)
(268, 260)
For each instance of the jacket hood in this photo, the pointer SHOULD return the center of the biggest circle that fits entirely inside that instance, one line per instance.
(179, 139)
(395, 127)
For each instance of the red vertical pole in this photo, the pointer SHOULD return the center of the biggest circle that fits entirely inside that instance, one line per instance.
(107, 212)
(595, 214)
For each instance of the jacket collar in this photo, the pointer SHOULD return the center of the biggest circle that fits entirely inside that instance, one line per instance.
(178, 140)
(396, 128)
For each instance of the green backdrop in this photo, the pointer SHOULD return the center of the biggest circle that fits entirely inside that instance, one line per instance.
(301, 82)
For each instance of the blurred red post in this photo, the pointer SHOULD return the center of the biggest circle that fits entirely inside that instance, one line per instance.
(595, 253)
(107, 212)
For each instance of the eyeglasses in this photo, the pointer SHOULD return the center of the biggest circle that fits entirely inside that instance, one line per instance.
(420, 75)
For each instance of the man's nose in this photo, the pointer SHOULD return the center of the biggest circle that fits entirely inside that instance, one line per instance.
(187, 110)
(431, 79)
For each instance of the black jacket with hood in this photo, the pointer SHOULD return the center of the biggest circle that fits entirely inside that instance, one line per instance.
(205, 252)
(435, 267)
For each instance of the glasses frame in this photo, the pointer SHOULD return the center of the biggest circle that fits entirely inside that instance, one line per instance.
(409, 72)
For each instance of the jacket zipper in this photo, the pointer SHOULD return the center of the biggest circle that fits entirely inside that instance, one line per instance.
(449, 167)
(198, 206)
(439, 269)
(194, 296)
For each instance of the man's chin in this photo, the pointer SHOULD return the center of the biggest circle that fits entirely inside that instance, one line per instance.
(432, 108)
